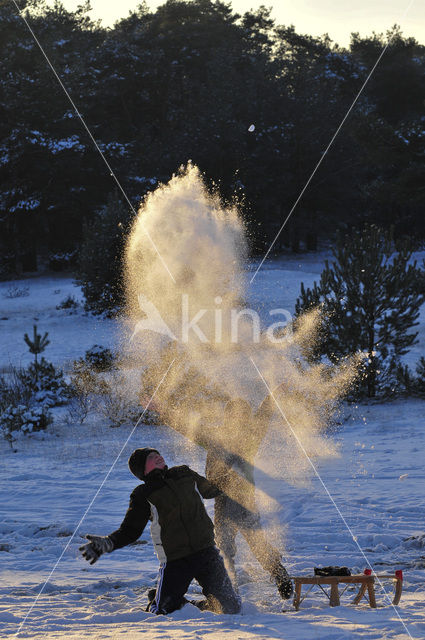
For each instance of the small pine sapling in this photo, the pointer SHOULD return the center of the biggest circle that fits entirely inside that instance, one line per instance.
(37, 345)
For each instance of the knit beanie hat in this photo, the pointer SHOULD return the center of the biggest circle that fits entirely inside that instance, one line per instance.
(137, 461)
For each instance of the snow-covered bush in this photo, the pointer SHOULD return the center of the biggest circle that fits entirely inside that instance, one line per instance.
(99, 358)
(85, 380)
(69, 304)
(107, 393)
(13, 391)
(24, 419)
(87, 388)
(79, 407)
(16, 292)
(46, 383)
(115, 408)
(35, 385)
(118, 406)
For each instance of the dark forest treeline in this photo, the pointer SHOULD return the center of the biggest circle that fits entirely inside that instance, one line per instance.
(186, 82)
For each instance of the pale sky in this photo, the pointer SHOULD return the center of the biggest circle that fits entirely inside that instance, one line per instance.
(337, 17)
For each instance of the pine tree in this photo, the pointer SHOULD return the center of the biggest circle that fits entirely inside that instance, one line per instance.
(100, 258)
(370, 300)
(36, 345)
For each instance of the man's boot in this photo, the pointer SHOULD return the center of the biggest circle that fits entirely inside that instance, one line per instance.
(151, 598)
(152, 595)
(281, 578)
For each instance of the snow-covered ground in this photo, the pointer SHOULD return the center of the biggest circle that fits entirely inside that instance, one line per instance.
(70, 335)
(377, 484)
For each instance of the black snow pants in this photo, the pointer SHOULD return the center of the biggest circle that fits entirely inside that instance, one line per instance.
(205, 566)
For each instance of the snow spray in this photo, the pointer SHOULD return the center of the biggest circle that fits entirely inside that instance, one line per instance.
(186, 292)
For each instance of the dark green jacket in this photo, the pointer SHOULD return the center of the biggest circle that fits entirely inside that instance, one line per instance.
(171, 499)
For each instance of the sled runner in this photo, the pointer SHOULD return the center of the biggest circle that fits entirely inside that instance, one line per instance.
(365, 580)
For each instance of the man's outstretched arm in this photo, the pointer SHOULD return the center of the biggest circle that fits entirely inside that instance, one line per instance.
(135, 520)
(131, 528)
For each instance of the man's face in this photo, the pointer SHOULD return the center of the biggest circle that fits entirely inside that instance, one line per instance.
(154, 461)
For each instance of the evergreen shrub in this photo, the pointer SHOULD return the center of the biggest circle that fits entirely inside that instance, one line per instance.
(99, 358)
(100, 259)
(23, 419)
(46, 383)
(69, 304)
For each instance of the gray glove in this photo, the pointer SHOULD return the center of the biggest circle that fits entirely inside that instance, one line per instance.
(98, 545)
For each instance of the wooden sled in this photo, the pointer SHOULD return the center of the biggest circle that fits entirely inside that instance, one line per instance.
(365, 580)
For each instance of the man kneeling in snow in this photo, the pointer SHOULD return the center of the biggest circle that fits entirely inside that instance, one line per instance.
(182, 533)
